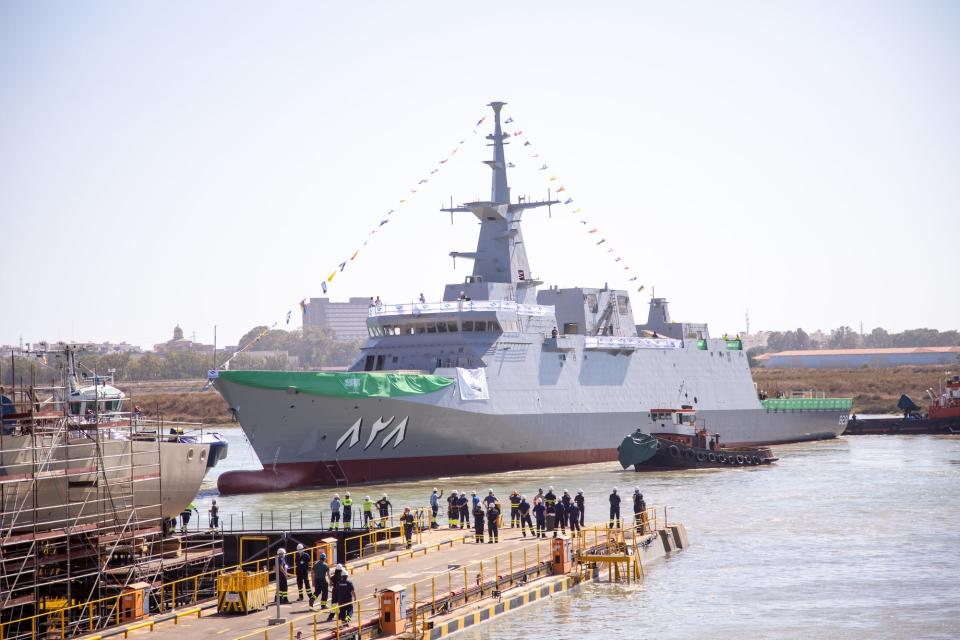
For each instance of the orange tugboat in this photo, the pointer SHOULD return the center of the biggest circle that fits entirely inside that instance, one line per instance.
(943, 416)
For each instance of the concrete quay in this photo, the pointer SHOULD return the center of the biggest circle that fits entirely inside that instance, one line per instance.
(441, 586)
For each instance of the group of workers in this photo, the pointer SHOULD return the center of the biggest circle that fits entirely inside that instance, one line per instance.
(547, 512)
(331, 589)
(341, 511)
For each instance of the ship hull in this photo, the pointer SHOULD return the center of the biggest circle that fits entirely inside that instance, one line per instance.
(82, 484)
(305, 440)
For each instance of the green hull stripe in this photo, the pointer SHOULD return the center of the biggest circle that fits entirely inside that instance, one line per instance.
(808, 403)
(341, 385)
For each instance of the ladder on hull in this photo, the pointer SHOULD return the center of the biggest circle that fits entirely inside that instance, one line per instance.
(335, 471)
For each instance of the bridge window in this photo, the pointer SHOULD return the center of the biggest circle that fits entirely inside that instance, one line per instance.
(468, 325)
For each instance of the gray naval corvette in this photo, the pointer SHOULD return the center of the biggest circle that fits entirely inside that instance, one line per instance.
(502, 375)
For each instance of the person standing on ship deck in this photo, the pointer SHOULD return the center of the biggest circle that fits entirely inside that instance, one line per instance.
(573, 513)
(580, 500)
(214, 515)
(367, 511)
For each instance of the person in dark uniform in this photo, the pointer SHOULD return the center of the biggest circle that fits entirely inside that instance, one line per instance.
(639, 511)
(490, 499)
(514, 509)
(567, 501)
(214, 515)
(383, 507)
(301, 564)
(638, 507)
(407, 521)
(453, 511)
(478, 517)
(335, 578)
(463, 506)
(282, 569)
(580, 500)
(573, 518)
(540, 513)
(560, 521)
(493, 518)
(346, 594)
(347, 503)
(321, 571)
(614, 509)
(524, 510)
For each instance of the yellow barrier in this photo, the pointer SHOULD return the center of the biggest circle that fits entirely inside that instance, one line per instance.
(140, 625)
(242, 591)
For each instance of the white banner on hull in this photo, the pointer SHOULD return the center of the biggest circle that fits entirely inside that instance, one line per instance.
(473, 384)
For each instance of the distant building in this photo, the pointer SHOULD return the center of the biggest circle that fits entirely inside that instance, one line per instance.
(347, 320)
(856, 358)
(179, 343)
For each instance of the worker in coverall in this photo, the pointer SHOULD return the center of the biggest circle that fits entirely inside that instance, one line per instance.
(282, 569)
(302, 565)
(347, 511)
(321, 571)
(478, 517)
(493, 523)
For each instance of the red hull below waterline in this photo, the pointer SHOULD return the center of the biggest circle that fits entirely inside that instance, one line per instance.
(285, 476)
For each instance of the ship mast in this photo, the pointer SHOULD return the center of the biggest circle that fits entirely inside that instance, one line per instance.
(500, 267)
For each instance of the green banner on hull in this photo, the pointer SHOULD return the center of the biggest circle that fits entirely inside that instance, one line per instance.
(807, 404)
(373, 384)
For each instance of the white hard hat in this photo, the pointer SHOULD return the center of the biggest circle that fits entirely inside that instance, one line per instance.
(435, 489)
(336, 495)
(281, 551)
(579, 490)
(339, 567)
(636, 489)
(366, 497)
(551, 488)
(299, 546)
(384, 495)
(348, 494)
(614, 489)
(454, 492)
(523, 497)
(490, 491)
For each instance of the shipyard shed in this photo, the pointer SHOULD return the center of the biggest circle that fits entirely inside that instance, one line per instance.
(856, 358)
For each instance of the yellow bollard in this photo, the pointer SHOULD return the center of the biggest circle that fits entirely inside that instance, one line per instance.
(524, 560)
(291, 631)
(195, 578)
(466, 584)
(511, 568)
(481, 578)
(314, 626)
(433, 597)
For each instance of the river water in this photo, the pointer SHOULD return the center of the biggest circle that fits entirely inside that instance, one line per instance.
(857, 537)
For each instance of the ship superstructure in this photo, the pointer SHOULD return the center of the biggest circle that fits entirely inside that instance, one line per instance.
(501, 374)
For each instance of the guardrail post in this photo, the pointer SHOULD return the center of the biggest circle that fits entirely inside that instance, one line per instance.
(511, 568)
(481, 578)
(433, 597)
(195, 584)
(466, 585)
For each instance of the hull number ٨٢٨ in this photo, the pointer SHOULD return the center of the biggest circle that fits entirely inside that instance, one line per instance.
(352, 436)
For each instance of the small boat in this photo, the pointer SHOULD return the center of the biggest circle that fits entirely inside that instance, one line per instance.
(676, 442)
(942, 417)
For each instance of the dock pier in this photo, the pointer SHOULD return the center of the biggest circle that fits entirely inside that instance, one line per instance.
(445, 582)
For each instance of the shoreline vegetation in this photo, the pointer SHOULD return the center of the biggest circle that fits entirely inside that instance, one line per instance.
(873, 390)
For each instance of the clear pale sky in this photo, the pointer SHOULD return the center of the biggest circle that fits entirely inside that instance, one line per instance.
(211, 163)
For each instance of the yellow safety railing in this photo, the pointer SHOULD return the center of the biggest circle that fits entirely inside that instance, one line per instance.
(461, 586)
(185, 591)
